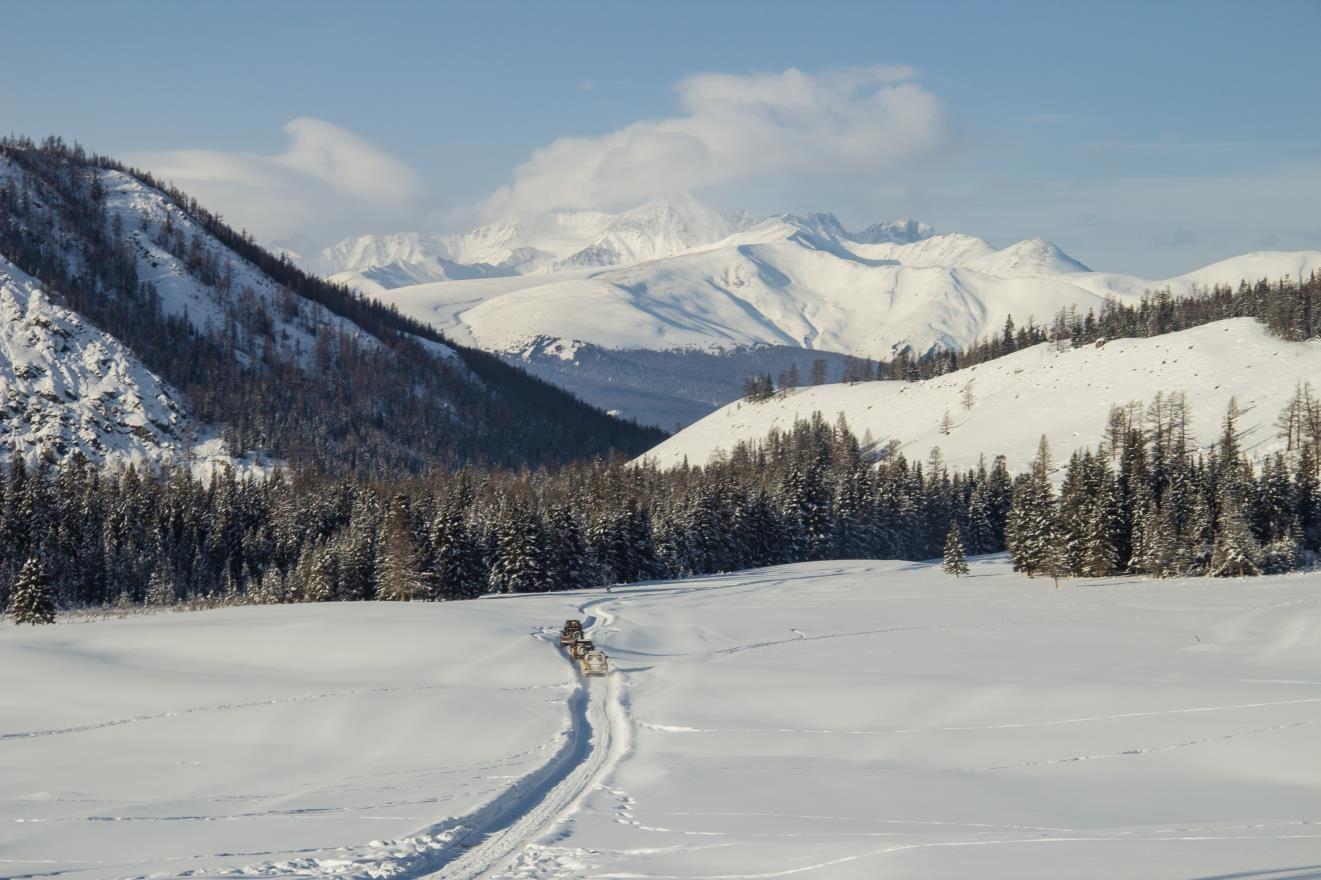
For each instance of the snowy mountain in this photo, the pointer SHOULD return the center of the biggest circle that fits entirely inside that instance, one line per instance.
(543, 244)
(792, 281)
(207, 334)
(655, 312)
(66, 386)
(660, 228)
(800, 283)
(1063, 393)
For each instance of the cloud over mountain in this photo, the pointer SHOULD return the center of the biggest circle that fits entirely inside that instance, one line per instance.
(733, 127)
(325, 178)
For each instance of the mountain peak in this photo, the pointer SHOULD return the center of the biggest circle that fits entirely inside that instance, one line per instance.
(904, 231)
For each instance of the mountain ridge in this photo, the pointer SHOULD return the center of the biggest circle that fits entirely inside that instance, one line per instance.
(254, 352)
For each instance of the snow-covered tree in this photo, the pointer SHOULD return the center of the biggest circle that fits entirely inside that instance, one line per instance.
(160, 588)
(400, 573)
(34, 600)
(521, 563)
(955, 562)
(1235, 552)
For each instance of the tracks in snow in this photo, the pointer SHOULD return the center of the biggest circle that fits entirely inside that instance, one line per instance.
(598, 738)
(482, 842)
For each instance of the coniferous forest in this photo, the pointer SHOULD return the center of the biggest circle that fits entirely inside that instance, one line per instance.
(1143, 502)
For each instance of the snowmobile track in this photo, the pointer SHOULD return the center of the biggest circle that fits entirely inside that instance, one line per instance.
(597, 737)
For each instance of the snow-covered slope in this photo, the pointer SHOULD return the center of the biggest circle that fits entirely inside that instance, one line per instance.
(541, 244)
(825, 720)
(65, 386)
(143, 212)
(786, 282)
(660, 228)
(1065, 394)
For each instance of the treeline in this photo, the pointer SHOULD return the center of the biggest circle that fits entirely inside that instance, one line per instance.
(1142, 502)
(810, 493)
(378, 402)
(1290, 309)
(1145, 502)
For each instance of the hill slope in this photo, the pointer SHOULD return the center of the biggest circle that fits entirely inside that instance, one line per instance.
(1064, 394)
(273, 359)
(65, 386)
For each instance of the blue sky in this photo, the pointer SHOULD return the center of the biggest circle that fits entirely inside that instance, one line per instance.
(1147, 138)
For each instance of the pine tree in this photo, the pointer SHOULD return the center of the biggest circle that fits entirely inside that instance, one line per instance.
(566, 551)
(160, 588)
(1032, 530)
(457, 567)
(981, 531)
(34, 600)
(1235, 552)
(400, 572)
(520, 564)
(955, 562)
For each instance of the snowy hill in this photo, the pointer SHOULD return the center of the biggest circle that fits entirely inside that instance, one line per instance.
(66, 386)
(1065, 394)
(840, 719)
(233, 340)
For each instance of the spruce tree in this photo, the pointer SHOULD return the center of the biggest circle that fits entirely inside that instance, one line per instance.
(955, 562)
(457, 566)
(34, 600)
(521, 563)
(400, 573)
(1235, 552)
(160, 588)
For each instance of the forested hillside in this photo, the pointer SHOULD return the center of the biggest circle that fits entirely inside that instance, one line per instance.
(279, 361)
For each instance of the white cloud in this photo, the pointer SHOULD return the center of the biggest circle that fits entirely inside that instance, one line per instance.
(734, 127)
(329, 181)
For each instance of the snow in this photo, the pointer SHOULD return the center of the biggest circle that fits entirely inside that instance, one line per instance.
(791, 281)
(834, 719)
(673, 276)
(1063, 393)
(274, 735)
(293, 332)
(65, 386)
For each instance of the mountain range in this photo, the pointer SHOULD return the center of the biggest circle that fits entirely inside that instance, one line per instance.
(659, 313)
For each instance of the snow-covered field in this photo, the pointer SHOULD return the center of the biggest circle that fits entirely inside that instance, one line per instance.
(1065, 394)
(836, 719)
